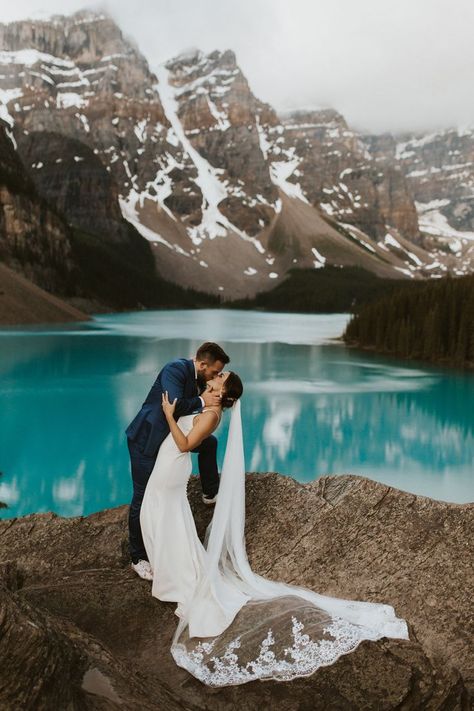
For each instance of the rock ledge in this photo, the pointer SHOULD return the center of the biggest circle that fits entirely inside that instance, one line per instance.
(86, 633)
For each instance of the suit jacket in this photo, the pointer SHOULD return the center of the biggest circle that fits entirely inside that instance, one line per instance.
(179, 379)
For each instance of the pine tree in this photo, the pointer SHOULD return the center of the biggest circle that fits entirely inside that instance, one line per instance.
(434, 321)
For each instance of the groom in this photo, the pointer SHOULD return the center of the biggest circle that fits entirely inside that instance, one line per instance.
(186, 380)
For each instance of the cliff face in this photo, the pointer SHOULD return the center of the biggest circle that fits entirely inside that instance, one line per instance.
(85, 631)
(337, 172)
(34, 239)
(61, 227)
(439, 170)
(77, 78)
(221, 117)
(68, 174)
(440, 167)
(230, 194)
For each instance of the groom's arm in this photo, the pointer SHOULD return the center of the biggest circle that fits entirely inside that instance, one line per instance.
(173, 380)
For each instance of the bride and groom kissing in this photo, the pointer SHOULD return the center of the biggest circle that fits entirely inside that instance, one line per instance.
(193, 385)
(234, 626)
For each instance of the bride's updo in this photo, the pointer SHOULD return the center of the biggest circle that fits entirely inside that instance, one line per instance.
(231, 390)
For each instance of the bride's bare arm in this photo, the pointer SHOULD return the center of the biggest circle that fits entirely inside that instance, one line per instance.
(205, 425)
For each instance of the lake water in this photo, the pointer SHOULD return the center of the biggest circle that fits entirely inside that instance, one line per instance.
(311, 407)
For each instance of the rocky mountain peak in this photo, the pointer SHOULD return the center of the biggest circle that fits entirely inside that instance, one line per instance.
(324, 117)
(193, 61)
(84, 37)
(211, 175)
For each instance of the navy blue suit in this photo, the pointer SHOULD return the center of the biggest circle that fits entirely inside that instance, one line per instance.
(149, 428)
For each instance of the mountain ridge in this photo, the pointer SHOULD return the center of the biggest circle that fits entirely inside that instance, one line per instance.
(229, 194)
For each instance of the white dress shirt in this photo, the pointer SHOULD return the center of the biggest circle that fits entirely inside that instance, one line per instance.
(196, 376)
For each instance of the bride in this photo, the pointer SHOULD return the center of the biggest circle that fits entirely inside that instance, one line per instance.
(234, 625)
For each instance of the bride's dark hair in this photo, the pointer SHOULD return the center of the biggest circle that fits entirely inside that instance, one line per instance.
(231, 390)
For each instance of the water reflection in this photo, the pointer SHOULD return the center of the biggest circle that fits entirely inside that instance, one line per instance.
(309, 409)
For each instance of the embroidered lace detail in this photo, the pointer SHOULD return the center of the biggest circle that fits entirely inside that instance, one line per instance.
(303, 658)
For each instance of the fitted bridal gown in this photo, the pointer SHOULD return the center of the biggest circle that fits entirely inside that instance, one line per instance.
(234, 625)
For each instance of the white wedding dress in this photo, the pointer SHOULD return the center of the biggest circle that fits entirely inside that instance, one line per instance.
(236, 626)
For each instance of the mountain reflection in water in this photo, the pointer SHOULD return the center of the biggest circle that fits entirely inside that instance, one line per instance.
(311, 407)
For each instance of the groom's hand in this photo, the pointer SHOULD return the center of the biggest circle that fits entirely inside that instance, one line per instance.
(210, 398)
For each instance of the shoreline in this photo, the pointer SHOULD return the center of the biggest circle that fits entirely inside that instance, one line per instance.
(444, 364)
(248, 476)
(89, 315)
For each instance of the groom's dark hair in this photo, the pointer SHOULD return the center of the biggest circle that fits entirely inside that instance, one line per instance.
(211, 352)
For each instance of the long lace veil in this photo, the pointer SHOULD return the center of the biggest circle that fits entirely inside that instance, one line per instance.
(238, 626)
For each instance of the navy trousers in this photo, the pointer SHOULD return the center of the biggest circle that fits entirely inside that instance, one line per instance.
(142, 466)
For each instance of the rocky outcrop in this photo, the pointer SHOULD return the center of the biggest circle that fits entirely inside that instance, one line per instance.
(86, 632)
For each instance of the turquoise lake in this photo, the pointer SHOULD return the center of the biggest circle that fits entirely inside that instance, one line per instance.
(311, 407)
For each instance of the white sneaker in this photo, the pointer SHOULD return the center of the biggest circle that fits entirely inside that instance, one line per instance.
(209, 499)
(143, 569)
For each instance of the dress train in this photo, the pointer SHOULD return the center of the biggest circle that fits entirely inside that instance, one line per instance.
(236, 626)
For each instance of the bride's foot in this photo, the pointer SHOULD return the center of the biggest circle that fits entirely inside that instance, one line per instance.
(143, 569)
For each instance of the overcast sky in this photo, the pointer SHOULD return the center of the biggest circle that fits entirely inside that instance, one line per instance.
(384, 64)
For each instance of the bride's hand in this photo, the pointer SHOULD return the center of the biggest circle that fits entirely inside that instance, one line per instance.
(168, 407)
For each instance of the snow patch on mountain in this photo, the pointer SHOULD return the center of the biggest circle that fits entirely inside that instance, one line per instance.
(408, 146)
(433, 222)
(413, 260)
(67, 99)
(214, 223)
(320, 261)
(360, 236)
(213, 191)
(221, 117)
(265, 144)
(7, 95)
(280, 171)
(128, 208)
(29, 57)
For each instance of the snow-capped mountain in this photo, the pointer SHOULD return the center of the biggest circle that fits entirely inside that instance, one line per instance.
(230, 194)
(440, 171)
